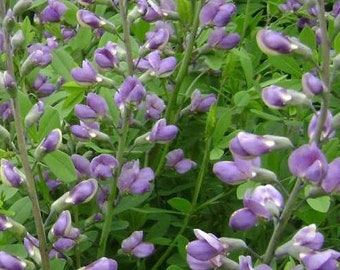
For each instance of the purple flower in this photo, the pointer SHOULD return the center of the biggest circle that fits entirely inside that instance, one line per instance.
(41, 86)
(103, 166)
(134, 245)
(63, 225)
(219, 39)
(305, 22)
(85, 113)
(207, 249)
(273, 43)
(149, 9)
(176, 159)
(327, 130)
(247, 145)
(246, 263)
(201, 104)
(217, 13)
(234, 172)
(67, 33)
(158, 37)
(161, 132)
(2, 42)
(308, 162)
(157, 66)
(7, 82)
(86, 131)
(331, 183)
(277, 97)
(336, 8)
(131, 92)
(133, 179)
(34, 114)
(53, 12)
(54, 254)
(49, 144)
(5, 223)
(82, 166)
(6, 110)
(82, 192)
(154, 106)
(102, 264)
(243, 219)
(31, 245)
(86, 75)
(97, 103)
(10, 175)
(290, 5)
(8, 261)
(312, 85)
(107, 57)
(321, 260)
(39, 57)
(88, 19)
(308, 237)
(64, 244)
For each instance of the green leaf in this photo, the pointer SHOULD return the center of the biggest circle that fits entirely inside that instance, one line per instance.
(130, 201)
(57, 264)
(185, 8)
(63, 63)
(174, 267)
(83, 39)
(241, 189)
(222, 125)
(214, 61)
(247, 65)
(241, 99)
(320, 204)
(180, 204)
(286, 64)
(22, 209)
(181, 245)
(211, 121)
(61, 166)
(307, 37)
(266, 116)
(336, 43)
(216, 153)
(49, 121)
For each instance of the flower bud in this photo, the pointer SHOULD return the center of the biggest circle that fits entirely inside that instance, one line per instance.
(88, 19)
(49, 144)
(312, 85)
(201, 104)
(331, 183)
(62, 226)
(273, 43)
(31, 245)
(217, 13)
(219, 39)
(34, 114)
(86, 75)
(10, 175)
(327, 259)
(8, 261)
(82, 192)
(21, 6)
(4, 134)
(85, 113)
(7, 82)
(97, 103)
(64, 244)
(41, 86)
(176, 160)
(17, 40)
(82, 166)
(36, 58)
(154, 106)
(327, 130)
(107, 57)
(53, 12)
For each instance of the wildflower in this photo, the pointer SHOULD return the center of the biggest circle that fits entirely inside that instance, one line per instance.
(10, 175)
(161, 132)
(8, 261)
(102, 264)
(158, 37)
(54, 11)
(201, 104)
(82, 192)
(41, 86)
(134, 245)
(312, 85)
(219, 39)
(107, 57)
(49, 144)
(176, 160)
(154, 106)
(86, 75)
(89, 19)
(97, 103)
(331, 183)
(327, 130)
(34, 114)
(149, 10)
(217, 13)
(103, 166)
(273, 43)
(326, 259)
(82, 165)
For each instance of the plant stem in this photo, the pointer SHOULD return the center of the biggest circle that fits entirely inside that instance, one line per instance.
(185, 62)
(197, 191)
(122, 139)
(32, 193)
(284, 218)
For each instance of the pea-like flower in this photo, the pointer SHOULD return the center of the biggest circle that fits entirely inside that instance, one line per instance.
(246, 263)
(265, 202)
(308, 162)
(217, 13)
(88, 130)
(131, 92)
(134, 245)
(82, 166)
(246, 145)
(34, 114)
(158, 37)
(201, 103)
(277, 97)
(154, 106)
(312, 85)
(86, 75)
(64, 244)
(149, 10)
(7, 81)
(8, 261)
(42, 86)
(133, 179)
(157, 66)
(89, 19)
(53, 12)
(175, 159)
(82, 192)
(10, 175)
(31, 245)
(63, 225)
(38, 57)
(107, 57)
(162, 133)
(85, 113)
(97, 103)
(102, 264)
(331, 183)
(207, 250)
(6, 110)
(290, 5)
(103, 166)
(274, 43)
(49, 144)
(318, 260)
(327, 130)
(219, 39)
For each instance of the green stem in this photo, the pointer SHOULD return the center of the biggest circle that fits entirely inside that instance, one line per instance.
(197, 191)
(24, 156)
(284, 218)
(185, 62)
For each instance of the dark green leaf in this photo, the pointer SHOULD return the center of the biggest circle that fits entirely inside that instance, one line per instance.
(180, 204)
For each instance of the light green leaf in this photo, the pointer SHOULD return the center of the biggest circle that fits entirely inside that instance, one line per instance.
(22, 209)
(49, 121)
(266, 116)
(287, 64)
(130, 201)
(216, 153)
(185, 11)
(61, 166)
(320, 204)
(62, 63)
(247, 65)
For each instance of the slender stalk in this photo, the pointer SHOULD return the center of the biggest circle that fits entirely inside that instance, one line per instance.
(122, 139)
(32, 193)
(185, 62)
(197, 191)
